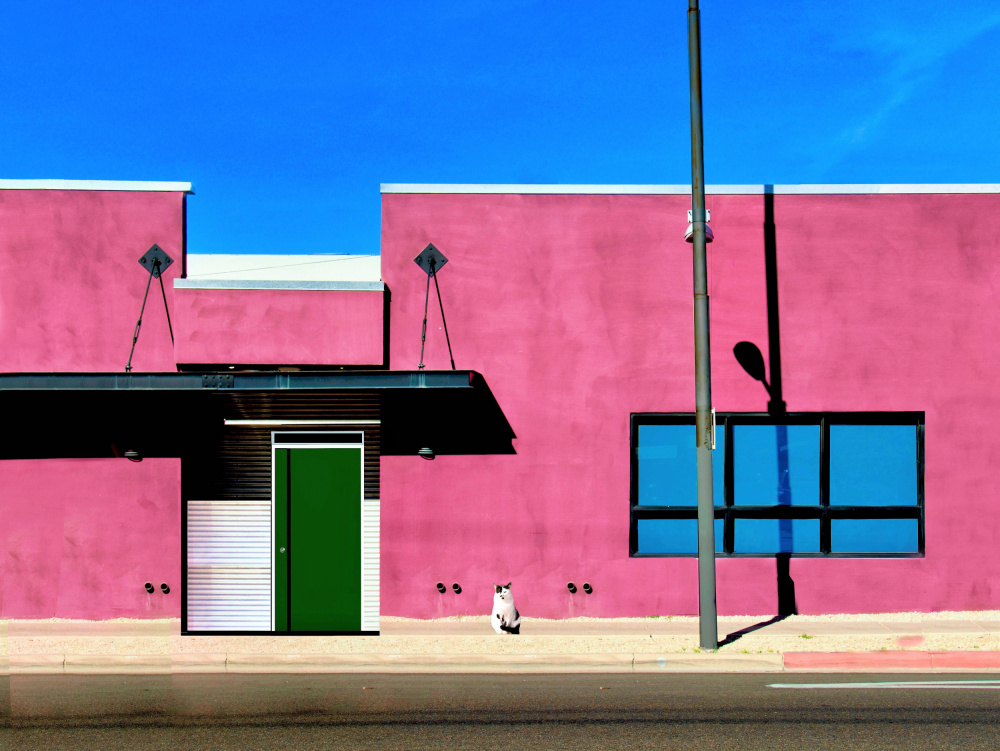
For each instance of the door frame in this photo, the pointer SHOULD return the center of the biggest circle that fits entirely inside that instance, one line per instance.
(307, 439)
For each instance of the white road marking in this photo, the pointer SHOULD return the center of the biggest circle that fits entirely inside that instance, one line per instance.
(978, 684)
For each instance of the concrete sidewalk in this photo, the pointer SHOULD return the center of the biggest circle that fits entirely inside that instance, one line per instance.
(906, 641)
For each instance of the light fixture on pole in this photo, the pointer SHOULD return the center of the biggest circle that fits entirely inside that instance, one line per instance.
(689, 234)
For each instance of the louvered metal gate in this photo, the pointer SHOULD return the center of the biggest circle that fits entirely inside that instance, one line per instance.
(229, 565)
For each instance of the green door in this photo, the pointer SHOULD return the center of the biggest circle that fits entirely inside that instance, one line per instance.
(318, 539)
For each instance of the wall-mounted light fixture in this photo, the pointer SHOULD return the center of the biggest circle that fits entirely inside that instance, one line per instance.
(457, 588)
(149, 587)
(441, 587)
(587, 588)
(164, 588)
(571, 587)
(426, 453)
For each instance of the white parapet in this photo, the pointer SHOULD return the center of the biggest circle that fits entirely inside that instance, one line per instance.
(221, 267)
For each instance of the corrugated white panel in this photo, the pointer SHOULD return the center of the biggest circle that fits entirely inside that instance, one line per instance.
(229, 565)
(229, 533)
(229, 598)
(370, 530)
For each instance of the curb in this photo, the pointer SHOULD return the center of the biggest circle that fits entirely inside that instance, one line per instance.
(48, 664)
(646, 663)
(707, 663)
(917, 661)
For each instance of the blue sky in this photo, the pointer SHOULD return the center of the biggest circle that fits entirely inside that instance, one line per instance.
(287, 117)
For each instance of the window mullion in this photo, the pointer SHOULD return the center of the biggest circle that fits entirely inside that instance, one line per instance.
(920, 485)
(729, 525)
(824, 486)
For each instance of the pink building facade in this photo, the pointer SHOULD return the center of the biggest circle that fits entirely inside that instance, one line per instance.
(858, 479)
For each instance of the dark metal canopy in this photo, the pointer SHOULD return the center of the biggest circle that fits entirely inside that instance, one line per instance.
(49, 415)
(238, 381)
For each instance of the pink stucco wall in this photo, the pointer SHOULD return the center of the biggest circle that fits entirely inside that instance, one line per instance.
(577, 310)
(70, 283)
(266, 326)
(80, 538)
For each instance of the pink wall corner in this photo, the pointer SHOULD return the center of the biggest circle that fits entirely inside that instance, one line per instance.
(71, 286)
(84, 535)
(302, 327)
(577, 310)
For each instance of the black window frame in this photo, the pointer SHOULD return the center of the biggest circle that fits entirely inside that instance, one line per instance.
(730, 512)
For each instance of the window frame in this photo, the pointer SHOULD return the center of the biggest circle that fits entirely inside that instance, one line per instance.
(730, 512)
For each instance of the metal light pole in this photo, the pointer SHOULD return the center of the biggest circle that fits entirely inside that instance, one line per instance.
(708, 627)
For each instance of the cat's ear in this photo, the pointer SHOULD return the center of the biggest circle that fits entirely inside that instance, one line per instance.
(508, 585)
(498, 588)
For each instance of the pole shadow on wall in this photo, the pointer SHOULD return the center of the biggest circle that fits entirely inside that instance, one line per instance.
(750, 357)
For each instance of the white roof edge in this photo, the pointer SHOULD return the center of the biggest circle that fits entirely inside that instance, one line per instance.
(686, 189)
(133, 185)
(361, 286)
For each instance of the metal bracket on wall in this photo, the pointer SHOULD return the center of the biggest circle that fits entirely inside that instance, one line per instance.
(156, 261)
(431, 260)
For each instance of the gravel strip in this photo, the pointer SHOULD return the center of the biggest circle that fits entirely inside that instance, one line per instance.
(969, 631)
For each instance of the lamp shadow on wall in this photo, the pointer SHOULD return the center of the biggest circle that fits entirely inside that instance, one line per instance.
(750, 358)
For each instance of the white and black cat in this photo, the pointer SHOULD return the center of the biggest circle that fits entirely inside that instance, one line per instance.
(506, 619)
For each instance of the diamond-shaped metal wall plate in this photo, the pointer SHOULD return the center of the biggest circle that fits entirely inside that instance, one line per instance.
(151, 256)
(427, 255)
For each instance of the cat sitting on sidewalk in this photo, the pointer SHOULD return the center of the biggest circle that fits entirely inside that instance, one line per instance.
(506, 619)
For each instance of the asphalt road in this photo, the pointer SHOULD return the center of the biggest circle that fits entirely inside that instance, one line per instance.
(571, 711)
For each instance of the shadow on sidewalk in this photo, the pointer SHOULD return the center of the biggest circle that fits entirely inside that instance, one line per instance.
(750, 629)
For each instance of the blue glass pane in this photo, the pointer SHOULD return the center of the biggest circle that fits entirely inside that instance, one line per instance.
(668, 466)
(873, 465)
(673, 536)
(776, 464)
(776, 536)
(873, 536)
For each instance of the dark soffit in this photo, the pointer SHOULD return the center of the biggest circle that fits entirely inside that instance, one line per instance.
(50, 415)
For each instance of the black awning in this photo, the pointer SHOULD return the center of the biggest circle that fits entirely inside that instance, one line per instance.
(49, 415)
(239, 380)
